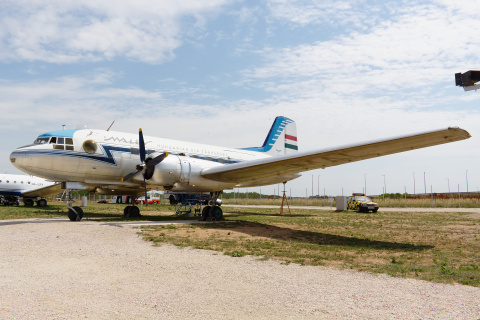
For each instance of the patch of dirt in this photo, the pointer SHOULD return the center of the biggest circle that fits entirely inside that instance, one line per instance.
(233, 231)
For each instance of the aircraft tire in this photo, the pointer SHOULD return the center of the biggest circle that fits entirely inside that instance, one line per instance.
(42, 203)
(76, 215)
(28, 202)
(134, 212)
(217, 213)
(205, 213)
(131, 212)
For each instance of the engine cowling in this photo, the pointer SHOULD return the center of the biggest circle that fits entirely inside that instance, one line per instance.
(166, 173)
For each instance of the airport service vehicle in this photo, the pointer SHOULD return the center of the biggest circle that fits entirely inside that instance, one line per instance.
(361, 203)
(150, 200)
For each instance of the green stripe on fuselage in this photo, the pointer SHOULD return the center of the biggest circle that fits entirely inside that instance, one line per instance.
(291, 146)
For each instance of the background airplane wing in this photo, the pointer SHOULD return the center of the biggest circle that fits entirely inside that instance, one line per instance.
(268, 168)
(45, 191)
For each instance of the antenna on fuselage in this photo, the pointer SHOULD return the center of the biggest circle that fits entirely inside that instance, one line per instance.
(63, 126)
(111, 125)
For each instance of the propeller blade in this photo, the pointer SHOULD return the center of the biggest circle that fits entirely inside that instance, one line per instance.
(129, 176)
(153, 162)
(142, 145)
(146, 199)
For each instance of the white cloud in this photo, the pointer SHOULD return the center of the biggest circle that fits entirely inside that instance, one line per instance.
(421, 47)
(72, 31)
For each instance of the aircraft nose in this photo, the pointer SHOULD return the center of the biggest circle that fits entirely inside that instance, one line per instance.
(16, 158)
(19, 158)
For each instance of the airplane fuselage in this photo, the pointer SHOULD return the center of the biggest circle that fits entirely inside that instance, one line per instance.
(99, 157)
(16, 184)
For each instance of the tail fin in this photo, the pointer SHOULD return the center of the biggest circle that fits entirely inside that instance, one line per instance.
(281, 139)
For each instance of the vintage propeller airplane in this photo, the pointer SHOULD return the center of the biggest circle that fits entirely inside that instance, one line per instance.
(108, 162)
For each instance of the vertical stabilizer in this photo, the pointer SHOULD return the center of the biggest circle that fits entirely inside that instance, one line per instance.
(281, 139)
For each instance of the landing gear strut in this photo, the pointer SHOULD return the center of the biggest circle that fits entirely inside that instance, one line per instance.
(212, 212)
(74, 213)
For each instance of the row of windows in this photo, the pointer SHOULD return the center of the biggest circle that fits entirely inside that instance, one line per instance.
(90, 146)
(59, 143)
(14, 182)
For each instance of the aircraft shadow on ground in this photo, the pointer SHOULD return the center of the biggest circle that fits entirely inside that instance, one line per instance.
(319, 238)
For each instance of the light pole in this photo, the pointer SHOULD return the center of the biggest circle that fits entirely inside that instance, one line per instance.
(365, 177)
(424, 182)
(384, 184)
(466, 177)
(318, 185)
(448, 180)
(414, 182)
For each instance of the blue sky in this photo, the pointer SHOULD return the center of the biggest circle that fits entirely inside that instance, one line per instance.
(219, 71)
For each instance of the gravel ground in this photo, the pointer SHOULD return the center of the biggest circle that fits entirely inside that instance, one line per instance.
(56, 269)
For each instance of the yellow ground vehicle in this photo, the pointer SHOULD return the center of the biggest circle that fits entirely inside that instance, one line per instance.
(361, 203)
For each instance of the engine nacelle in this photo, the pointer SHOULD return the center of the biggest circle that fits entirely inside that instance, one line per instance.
(166, 173)
(182, 174)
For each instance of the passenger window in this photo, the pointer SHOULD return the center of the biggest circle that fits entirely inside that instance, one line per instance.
(59, 147)
(61, 140)
(68, 147)
(68, 141)
(135, 151)
(53, 140)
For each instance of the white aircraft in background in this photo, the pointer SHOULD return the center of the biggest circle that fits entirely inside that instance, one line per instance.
(32, 189)
(107, 162)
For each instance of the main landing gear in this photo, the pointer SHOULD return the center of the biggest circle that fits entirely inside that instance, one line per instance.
(212, 212)
(131, 212)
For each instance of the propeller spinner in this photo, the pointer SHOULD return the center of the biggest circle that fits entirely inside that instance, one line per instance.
(147, 166)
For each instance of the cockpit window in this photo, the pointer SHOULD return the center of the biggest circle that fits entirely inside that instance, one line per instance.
(41, 140)
(59, 143)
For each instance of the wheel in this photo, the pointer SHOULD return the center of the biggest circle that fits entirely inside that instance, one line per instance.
(134, 212)
(42, 203)
(375, 210)
(205, 212)
(359, 209)
(217, 213)
(131, 212)
(28, 202)
(76, 215)
(126, 212)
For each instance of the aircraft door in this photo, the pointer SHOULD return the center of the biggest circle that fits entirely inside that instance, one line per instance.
(185, 174)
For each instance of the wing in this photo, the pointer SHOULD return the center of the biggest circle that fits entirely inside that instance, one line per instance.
(268, 168)
(45, 191)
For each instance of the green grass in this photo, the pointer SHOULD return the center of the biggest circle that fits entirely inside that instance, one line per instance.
(439, 247)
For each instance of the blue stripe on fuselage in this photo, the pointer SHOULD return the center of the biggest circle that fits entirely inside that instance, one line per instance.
(107, 157)
(59, 133)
